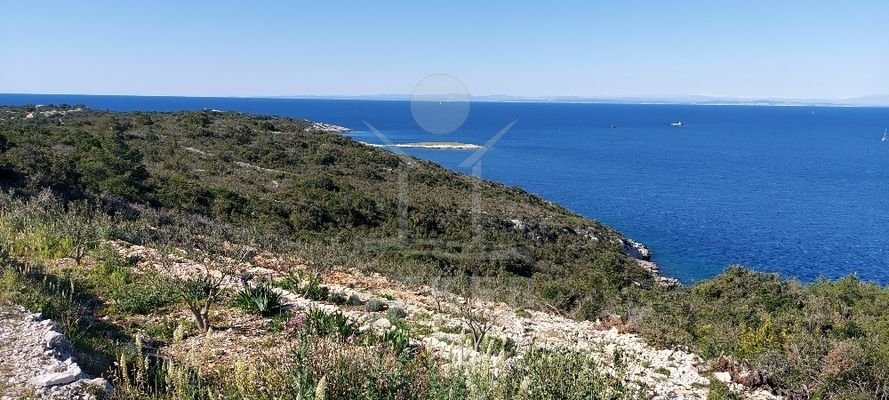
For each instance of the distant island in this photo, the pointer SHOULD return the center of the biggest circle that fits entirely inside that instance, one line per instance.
(433, 145)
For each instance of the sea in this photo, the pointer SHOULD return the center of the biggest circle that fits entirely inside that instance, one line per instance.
(799, 191)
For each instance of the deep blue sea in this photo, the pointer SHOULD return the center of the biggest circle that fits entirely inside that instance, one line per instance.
(802, 191)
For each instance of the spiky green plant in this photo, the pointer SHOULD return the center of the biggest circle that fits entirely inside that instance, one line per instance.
(261, 299)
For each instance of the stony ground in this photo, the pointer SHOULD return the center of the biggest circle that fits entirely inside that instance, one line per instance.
(35, 360)
(666, 373)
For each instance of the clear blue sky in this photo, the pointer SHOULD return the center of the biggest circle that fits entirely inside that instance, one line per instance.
(784, 48)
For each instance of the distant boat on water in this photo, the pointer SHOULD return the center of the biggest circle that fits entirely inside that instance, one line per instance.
(677, 124)
(884, 135)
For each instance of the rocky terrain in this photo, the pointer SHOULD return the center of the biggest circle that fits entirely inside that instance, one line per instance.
(439, 326)
(37, 357)
(36, 362)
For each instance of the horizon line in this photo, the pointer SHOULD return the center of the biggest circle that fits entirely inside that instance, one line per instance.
(860, 101)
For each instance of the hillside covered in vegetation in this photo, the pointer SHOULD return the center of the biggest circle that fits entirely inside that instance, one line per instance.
(226, 188)
(297, 182)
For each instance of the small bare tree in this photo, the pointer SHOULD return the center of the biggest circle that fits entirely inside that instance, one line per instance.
(475, 316)
(200, 293)
(319, 258)
(79, 225)
(440, 284)
(201, 290)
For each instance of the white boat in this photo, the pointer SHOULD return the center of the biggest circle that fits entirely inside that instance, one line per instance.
(884, 135)
(676, 124)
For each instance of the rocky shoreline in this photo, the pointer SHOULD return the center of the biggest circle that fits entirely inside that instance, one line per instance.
(629, 247)
(36, 360)
(642, 255)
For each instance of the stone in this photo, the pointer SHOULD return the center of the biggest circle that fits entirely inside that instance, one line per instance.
(57, 378)
(635, 249)
(382, 324)
(749, 378)
(58, 343)
(98, 383)
(723, 376)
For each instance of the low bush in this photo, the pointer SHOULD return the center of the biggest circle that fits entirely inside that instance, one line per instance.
(320, 323)
(261, 299)
(142, 297)
(355, 300)
(398, 338)
(375, 306)
(292, 282)
(825, 339)
(314, 291)
(127, 292)
(338, 299)
(396, 314)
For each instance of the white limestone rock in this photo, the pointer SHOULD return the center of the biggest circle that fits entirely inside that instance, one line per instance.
(71, 374)
(635, 249)
(382, 324)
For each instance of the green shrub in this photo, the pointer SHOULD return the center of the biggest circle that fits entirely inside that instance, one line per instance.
(141, 297)
(813, 340)
(396, 314)
(375, 306)
(162, 330)
(494, 345)
(398, 339)
(338, 299)
(355, 300)
(321, 323)
(314, 291)
(721, 391)
(291, 282)
(261, 299)
(128, 292)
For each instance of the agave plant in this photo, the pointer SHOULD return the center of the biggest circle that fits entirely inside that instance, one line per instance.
(261, 299)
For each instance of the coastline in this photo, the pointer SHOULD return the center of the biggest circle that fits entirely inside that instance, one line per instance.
(431, 145)
(637, 251)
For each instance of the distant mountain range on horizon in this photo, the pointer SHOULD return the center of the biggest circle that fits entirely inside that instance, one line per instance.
(863, 101)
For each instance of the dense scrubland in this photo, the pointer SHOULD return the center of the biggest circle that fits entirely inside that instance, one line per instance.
(227, 186)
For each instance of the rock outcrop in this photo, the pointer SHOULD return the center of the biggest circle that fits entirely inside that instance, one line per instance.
(635, 249)
(36, 360)
(631, 248)
(329, 127)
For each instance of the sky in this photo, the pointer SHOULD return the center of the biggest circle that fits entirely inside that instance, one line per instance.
(743, 49)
